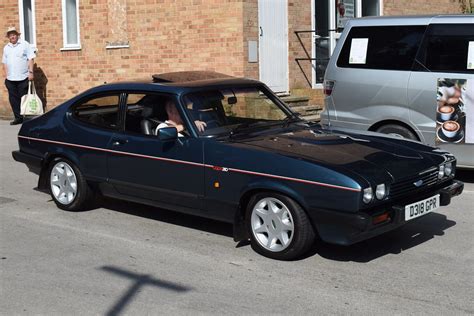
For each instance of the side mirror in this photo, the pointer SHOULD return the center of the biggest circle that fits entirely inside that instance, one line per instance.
(231, 100)
(168, 134)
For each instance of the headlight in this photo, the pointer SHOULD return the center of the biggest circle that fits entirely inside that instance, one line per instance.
(448, 169)
(368, 195)
(441, 172)
(381, 191)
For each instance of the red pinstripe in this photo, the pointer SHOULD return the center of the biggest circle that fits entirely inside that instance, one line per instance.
(193, 164)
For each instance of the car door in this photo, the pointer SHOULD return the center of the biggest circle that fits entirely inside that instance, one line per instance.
(90, 125)
(443, 61)
(167, 173)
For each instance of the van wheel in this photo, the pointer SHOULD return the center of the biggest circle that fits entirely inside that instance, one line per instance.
(68, 187)
(397, 131)
(278, 226)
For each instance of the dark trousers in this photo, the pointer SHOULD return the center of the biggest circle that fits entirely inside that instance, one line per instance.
(16, 89)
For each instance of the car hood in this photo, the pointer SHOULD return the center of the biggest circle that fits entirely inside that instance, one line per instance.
(372, 156)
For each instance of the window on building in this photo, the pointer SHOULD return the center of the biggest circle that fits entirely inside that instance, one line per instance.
(389, 47)
(370, 7)
(27, 20)
(445, 48)
(71, 24)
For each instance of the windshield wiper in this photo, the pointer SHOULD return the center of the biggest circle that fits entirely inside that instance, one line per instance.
(294, 117)
(247, 127)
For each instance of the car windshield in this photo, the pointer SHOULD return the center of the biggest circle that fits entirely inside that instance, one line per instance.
(234, 110)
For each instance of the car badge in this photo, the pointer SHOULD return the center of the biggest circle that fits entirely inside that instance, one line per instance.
(418, 183)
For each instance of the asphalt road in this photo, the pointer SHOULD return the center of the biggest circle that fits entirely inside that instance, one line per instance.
(125, 258)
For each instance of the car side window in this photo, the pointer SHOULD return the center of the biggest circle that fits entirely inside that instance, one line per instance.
(389, 47)
(445, 48)
(99, 111)
(144, 112)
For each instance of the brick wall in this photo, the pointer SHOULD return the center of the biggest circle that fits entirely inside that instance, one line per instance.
(299, 19)
(164, 35)
(411, 7)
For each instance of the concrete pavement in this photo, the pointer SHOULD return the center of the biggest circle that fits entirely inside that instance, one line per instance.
(124, 258)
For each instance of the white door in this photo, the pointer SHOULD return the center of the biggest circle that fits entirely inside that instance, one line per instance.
(273, 43)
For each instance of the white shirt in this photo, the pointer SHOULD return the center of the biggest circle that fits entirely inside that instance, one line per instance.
(16, 58)
(166, 124)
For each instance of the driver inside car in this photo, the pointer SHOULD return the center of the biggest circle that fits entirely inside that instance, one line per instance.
(174, 120)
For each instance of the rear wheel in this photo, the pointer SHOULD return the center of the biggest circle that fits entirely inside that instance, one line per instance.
(397, 130)
(68, 187)
(279, 228)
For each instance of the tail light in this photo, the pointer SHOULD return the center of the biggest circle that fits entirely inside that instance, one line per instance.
(328, 86)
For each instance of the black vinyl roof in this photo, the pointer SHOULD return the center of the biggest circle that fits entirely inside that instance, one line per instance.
(180, 82)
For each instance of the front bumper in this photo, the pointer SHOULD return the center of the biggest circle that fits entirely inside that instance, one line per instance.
(349, 228)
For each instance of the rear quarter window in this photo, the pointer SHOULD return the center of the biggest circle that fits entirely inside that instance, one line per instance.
(445, 48)
(389, 47)
(101, 111)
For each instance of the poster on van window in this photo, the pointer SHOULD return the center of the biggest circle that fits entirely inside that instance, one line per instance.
(455, 111)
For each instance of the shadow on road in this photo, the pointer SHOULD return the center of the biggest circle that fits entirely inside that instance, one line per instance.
(138, 281)
(394, 242)
(175, 218)
(406, 237)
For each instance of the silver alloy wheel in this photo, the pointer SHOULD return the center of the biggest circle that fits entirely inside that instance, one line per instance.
(63, 183)
(272, 224)
(396, 135)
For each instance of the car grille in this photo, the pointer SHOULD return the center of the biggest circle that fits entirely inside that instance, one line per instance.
(407, 186)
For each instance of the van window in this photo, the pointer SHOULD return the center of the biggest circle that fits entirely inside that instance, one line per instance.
(389, 47)
(445, 48)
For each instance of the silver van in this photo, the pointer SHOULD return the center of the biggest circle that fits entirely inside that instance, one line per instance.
(410, 76)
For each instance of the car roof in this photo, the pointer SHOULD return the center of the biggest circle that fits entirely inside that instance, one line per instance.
(179, 82)
(411, 20)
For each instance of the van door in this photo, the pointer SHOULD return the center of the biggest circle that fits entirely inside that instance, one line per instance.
(441, 77)
(371, 87)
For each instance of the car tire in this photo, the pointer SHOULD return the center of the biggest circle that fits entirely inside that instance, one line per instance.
(67, 186)
(278, 226)
(397, 130)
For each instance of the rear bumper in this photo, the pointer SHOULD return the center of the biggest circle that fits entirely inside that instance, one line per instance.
(34, 163)
(349, 228)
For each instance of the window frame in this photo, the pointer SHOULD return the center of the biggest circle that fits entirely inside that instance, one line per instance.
(364, 32)
(171, 96)
(21, 15)
(66, 45)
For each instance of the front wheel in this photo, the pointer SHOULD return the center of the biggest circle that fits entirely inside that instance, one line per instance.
(279, 228)
(68, 187)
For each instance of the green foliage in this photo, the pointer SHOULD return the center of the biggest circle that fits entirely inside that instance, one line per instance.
(467, 6)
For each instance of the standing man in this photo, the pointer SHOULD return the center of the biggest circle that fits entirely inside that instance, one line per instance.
(18, 61)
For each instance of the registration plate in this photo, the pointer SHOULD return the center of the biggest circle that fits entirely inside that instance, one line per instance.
(421, 208)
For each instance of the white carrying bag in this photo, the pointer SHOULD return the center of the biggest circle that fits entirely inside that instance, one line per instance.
(30, 103)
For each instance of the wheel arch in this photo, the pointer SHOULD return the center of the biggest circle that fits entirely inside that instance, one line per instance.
(379, 124)
(239, 231)
(48, 158)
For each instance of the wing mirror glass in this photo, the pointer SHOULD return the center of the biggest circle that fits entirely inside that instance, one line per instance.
(168, 134)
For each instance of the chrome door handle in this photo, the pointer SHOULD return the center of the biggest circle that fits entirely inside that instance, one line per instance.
(119, 142)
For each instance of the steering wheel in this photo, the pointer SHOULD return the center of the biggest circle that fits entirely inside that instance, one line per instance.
(212, 123)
